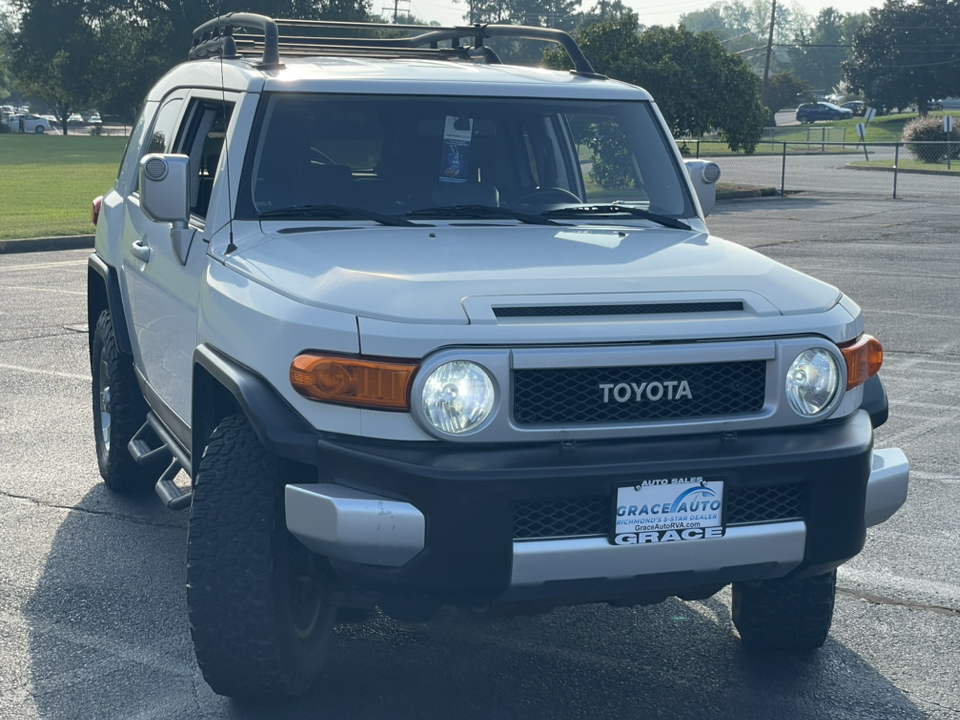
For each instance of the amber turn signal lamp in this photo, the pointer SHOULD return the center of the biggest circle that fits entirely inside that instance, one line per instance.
(864, 357)
(351, 381)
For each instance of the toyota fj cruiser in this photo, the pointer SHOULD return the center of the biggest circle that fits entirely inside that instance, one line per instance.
(427, 329)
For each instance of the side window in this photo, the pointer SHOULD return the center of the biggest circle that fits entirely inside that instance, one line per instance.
(202, 140)
(126, 177)
(164, 131)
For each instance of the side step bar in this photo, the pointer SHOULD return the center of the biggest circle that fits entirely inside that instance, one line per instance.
(171, 495)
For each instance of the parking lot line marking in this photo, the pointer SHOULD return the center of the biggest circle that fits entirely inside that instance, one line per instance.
(41, 289)
(938, 477)
(38, 266)
(934, 316)
(37, 371)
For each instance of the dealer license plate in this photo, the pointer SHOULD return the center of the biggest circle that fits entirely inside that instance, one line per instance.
(673, 509)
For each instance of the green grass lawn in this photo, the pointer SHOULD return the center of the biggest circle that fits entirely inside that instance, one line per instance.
(47, 182)
(886, 129)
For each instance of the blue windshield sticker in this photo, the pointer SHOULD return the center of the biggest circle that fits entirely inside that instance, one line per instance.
(457, 133)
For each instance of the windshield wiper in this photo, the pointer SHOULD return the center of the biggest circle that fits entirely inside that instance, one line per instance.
(482, 211)
(338, 212)
(616, 208)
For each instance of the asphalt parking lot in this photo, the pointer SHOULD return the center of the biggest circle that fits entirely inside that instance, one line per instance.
(92, 609)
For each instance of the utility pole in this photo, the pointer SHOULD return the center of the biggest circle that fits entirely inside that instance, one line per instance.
(385, 9)
(766, 65)
(603, 10)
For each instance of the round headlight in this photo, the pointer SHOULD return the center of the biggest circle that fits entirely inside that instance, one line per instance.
(812, 381)
(457, 397)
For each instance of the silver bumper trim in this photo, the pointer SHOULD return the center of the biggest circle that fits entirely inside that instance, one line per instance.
(353, 525)
(541, 561)
(887, 487)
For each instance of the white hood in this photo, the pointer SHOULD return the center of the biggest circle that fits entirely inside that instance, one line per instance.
(425, 275)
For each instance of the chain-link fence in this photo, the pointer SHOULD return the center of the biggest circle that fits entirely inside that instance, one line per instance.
(895, 170)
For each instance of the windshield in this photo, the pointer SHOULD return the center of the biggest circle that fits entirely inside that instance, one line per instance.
(396, 155)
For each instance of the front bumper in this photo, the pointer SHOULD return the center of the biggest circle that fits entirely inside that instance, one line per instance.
(437, 522)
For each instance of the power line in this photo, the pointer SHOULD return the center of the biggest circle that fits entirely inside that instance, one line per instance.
(895, 46)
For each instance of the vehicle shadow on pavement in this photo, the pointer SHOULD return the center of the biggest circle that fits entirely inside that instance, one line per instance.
(109, 638)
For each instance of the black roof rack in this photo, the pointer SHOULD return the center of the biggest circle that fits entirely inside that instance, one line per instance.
(216, 38)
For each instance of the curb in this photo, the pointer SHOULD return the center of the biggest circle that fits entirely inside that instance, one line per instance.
(906, 171)
(752, 193)
(46, 244)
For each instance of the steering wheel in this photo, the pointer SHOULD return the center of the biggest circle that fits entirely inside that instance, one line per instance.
(546, 195)
(322, 156)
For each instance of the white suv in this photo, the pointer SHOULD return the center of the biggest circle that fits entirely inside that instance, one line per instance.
(423, 328)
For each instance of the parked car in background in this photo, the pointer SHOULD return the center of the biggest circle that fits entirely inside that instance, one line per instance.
(857, 107)
(811, 112)
(31, 123)
(94, 118)
(950, 103)
(75, 119)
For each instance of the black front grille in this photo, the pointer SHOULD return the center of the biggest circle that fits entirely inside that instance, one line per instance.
(633, 309)
(763, 504)
(566, 517)
(592, 515)
(579, 395)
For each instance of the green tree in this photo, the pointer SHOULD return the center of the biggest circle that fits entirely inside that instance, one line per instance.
(821, 50)
(698, 85)
(79, 54)
(785, 90)
(601, 12)
(53, 54)
(560, 14)
(743, 29)
(907, 53)
(170, 23)
(129, 59)
(6, 34)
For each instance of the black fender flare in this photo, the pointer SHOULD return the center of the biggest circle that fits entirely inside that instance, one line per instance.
(103, 285)
(222, 386)
(875, 401)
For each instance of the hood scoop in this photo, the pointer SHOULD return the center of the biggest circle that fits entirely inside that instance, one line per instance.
(539, 311)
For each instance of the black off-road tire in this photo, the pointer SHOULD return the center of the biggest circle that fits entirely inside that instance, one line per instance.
(778, 615)
(259, 613)
(117, 395)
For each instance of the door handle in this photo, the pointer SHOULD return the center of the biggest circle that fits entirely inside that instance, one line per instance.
(141, 251)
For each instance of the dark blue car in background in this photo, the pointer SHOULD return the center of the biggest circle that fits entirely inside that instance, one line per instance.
(811, 112)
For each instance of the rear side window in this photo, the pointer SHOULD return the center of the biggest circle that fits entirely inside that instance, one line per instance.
(165, 127)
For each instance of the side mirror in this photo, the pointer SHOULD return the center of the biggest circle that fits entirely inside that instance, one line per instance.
(165, 197)
(704, 174)
(165, 187)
